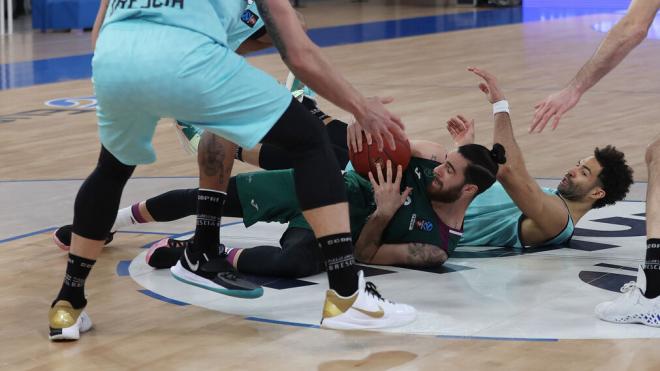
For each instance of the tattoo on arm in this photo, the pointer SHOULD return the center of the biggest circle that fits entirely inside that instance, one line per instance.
(271, 27)
(424, 255)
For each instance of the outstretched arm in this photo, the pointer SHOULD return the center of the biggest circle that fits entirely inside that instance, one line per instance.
(307, 62)
(547, 212)
(622, 38)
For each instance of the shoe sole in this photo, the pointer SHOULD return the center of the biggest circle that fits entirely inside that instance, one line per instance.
(634, 321)
(59, 243)
(185, 276)
(82, 325)
(367, 324)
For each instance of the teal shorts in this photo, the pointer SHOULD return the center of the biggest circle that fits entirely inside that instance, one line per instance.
(143, 71)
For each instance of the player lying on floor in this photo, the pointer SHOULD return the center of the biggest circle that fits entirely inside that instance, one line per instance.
(422, 232)
(494, 218)
(515, 211)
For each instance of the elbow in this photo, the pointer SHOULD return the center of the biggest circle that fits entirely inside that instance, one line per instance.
(436, 260)
(298, 58)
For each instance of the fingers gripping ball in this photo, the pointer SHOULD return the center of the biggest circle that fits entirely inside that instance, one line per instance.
(366, 161)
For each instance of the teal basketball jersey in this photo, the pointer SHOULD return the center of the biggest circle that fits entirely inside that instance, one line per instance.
(209, 17)
(493, 219)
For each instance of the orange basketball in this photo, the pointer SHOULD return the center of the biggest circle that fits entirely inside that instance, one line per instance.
(366, 161)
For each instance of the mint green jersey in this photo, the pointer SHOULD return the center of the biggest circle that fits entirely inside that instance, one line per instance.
(493, 219)
(208, 17)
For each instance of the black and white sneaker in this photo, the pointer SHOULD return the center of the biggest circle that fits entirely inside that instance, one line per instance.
(62, 237)
(215, 274)
(166, 252)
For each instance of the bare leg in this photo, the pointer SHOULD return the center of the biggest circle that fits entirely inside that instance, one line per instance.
(215, 160)
(653, 190)
(652, 260)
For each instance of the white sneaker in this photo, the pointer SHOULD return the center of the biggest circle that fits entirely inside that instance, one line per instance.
(365, 309)
(67, 323)
(632, 306)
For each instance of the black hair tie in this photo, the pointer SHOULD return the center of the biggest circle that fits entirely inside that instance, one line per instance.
(498, 154)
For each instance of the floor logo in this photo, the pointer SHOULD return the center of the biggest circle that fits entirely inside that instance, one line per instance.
(73, 102)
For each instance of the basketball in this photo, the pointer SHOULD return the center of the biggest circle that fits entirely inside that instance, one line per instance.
(366, 161)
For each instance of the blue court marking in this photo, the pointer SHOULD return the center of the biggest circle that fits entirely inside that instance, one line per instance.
(286, 323)
(495, 338)
(163, 298)
(44, 71)
(122, 268)
(28, 235)
(80, 180)
(306, 325)
(146, 232)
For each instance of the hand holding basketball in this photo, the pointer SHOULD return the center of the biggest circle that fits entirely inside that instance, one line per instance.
(387, 191)
(380, 123)
(369, 157)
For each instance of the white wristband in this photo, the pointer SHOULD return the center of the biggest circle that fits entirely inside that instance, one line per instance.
(501, 106)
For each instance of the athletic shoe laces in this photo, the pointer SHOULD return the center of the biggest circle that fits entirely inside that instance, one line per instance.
(371, 289)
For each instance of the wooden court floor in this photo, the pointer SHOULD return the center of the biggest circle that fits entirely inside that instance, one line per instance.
(427, 77)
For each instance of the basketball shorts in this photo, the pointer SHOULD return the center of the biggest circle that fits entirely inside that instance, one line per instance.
(270, 196)
(143, 71)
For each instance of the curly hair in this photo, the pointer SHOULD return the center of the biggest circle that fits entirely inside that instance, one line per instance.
(616, 176)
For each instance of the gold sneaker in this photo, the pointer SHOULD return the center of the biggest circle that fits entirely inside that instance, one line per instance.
(366, 309)
(67, 323)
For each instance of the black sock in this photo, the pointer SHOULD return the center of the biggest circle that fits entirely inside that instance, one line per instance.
(207, 232)
(337, 250)
(652, 268)
(73, 287)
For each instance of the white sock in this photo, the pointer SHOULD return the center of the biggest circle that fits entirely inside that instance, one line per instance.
(124, 219)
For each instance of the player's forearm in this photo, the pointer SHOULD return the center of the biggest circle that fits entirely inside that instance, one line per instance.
(371, 235)
(503, 134)
(618, 43)
(428, 150)
(305, 59)
(98, 22)
(315, 70)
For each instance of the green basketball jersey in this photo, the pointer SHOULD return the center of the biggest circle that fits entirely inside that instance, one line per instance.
(269, 196)
(415, 221)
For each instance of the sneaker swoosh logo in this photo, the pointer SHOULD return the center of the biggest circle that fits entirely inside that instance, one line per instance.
(191, 265)
(377, 314)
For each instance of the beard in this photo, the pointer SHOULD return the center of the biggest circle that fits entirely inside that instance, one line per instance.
(570, 191)
(444, 195)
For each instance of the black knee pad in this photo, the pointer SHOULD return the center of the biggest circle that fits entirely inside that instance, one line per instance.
(98, 199)
(301, 254)
(173, 205)
(317, 174)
